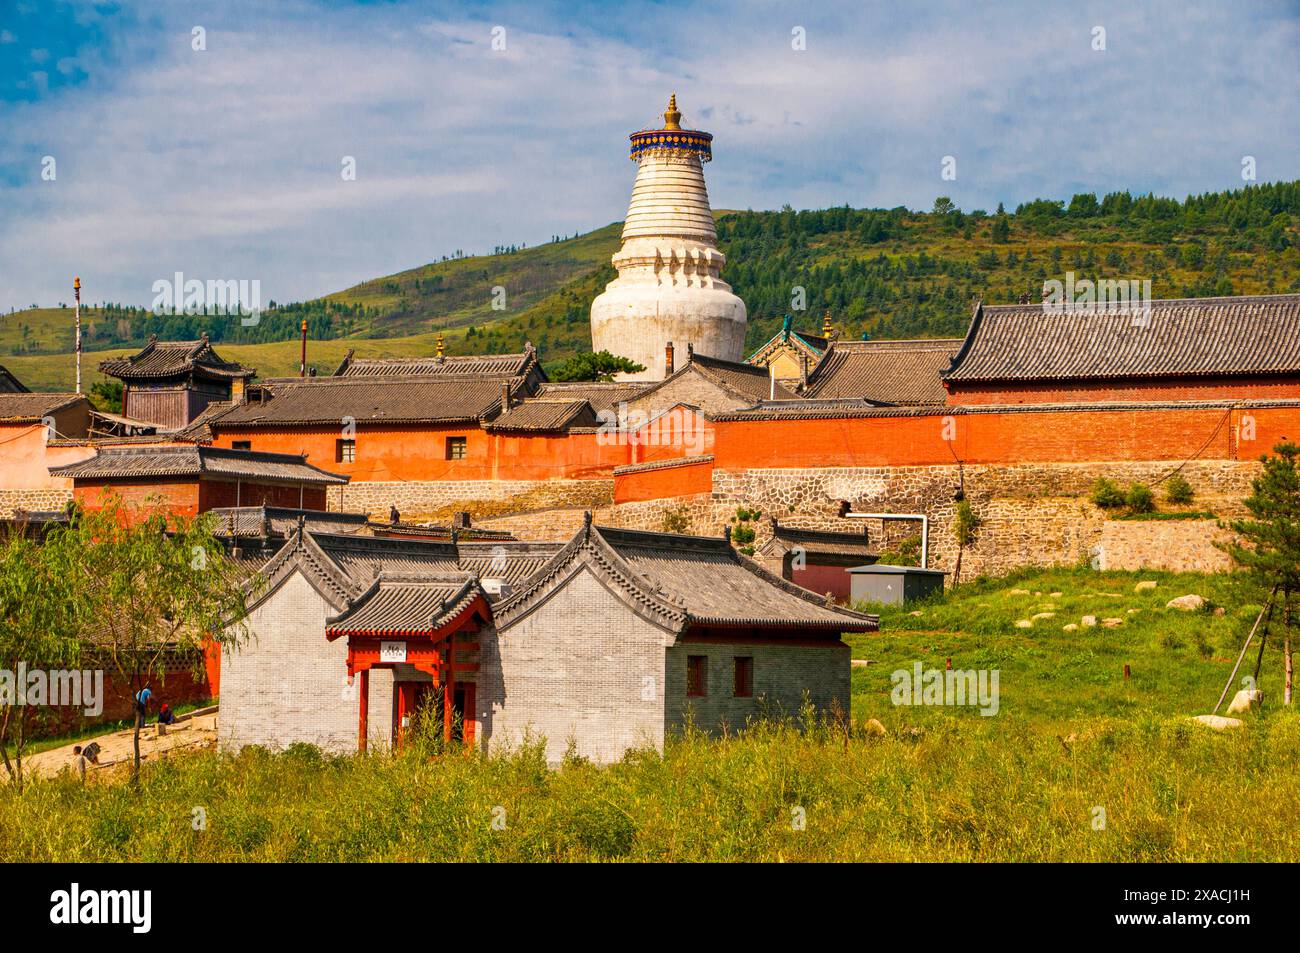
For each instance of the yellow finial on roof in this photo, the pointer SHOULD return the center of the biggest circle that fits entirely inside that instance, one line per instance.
(440, 344)
(826, 324)
(672, 118)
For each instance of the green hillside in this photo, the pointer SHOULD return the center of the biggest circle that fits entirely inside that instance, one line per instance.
(882, 272)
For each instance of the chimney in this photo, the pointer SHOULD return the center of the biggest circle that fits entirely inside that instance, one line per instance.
(238, 393)
(690, 352)
(668, 359)
(505, 398)
(803, 364)
(460, 520)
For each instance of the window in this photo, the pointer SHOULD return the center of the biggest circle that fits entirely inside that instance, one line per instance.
(697, 676)
(455, 448)
(241, 445)
(345, 451)
(744, 677)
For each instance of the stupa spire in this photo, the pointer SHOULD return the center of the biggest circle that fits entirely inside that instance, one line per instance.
(672, 118)
(668, 286)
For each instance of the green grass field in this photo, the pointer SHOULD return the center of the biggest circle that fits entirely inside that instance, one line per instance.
(1073, 743)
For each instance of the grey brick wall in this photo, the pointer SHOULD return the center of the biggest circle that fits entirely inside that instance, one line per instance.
(782, 674)
(289, 684)
(582, 666)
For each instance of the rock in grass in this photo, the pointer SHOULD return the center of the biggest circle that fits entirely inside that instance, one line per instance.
(1024, 624)
(1145, 585)
(1245, 700)
(1088, 621)
(1070, 627)
(1111, 623)
(1043, 615)
(1055, 595)
(874, 728)
(1188, 603)
(1018, 592)
(1218, 722)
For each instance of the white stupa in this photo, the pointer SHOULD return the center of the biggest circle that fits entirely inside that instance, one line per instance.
(668, 287)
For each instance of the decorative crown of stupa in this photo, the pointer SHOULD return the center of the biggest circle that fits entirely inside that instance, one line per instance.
(672, 138)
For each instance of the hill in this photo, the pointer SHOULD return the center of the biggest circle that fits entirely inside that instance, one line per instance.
(882, 272)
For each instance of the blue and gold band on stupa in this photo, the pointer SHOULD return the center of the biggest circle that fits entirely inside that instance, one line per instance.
(672, 137)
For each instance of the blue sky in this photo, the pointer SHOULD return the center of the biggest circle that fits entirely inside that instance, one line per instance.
(225, 162)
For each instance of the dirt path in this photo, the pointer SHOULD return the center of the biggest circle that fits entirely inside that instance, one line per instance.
(116, 749)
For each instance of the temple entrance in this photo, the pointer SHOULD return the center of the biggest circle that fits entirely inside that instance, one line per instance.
(418, 707)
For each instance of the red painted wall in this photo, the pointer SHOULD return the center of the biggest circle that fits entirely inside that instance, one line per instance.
(215, 493)
(684, 480)
(823, 579)
(191, 497)
(419, 453)
(178, 496)
(1004, 437)
(1056, 392)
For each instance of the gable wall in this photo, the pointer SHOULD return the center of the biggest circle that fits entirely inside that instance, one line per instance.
(579, 667)
(288, 684)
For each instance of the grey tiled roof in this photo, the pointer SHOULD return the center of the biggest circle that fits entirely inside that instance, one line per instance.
(746, 380)
(402, 604)
(250, 521)
(196, 461)
(664, 464)
(363, 558)
(602, 395)
(1183, 337)
(717, 586)
(884, 372)
(30, 408)
(684, 581)
(329, 400)
(159, 359)
(816, 541)
(495, 366)
(546, 415)
(513, 561)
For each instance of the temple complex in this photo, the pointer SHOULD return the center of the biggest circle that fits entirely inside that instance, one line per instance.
(668, 289)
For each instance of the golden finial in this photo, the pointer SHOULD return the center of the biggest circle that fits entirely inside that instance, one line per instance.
(672, 118)
(826, 324)
(440, 344)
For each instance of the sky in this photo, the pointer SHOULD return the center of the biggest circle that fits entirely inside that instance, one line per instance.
(139, 139)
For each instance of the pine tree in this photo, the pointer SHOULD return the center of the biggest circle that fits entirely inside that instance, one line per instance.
(1269, 547)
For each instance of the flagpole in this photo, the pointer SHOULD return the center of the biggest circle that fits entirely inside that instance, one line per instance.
(76, 290)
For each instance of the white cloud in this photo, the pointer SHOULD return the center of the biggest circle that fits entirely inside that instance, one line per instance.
(225, 163)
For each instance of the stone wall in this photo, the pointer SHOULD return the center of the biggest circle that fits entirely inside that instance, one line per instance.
(1180, 545)
(1034, 514)
(35, 501)
(482, 498)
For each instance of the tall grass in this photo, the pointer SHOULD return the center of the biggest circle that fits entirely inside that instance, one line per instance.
(961, 789)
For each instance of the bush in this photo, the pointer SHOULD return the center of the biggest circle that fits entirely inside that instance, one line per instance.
(1140, 499)
(1178, 490)
(1107, 494)
(964, 523)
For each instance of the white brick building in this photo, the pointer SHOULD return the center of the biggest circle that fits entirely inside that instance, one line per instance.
(604, 643)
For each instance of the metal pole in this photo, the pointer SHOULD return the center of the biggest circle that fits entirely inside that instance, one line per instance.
(76, 290)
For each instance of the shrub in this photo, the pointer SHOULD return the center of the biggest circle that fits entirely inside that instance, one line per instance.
(1178, 490)
(1140, 499)
(964, 523)
(1107, 494)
